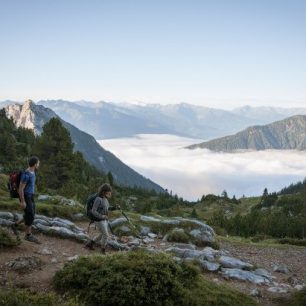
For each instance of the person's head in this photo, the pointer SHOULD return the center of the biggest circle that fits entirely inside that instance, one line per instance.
(33, 162)
(105, 191)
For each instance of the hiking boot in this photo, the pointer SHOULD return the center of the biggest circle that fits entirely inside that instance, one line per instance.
(14, 229)
(32, 238)
(89, 245)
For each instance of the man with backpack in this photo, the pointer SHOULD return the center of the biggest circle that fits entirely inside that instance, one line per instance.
(26, 192)
(99, 214)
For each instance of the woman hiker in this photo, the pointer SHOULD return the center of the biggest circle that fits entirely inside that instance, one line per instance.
(100, 211)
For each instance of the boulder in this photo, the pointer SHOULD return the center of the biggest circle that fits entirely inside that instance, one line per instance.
(41, 221)
(231, 262)
(6, 215)
(278, 289)
(25, 264)
(243, 276)
(149, 219)
(152, 235)
(144, 231)
(185, 246)
(44, 197)
(171, 222)
(264, 273)
(209, 266)
(45, 251)
(281, 269)
(203, 235)
(4, 222)
(256, 293)
(124, 229)
(148, 240)
(210, 254)
(117, 222)
(118, 246)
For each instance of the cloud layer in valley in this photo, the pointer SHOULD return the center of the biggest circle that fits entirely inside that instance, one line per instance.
(192, 173)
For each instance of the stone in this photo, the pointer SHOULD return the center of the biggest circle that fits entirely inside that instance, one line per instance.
(231, 262)
(4, 222)
(149, 219)
(144, 231)
(117, 246)
(210, 254)
(209, 266)
(256, 293)
(148, 240)
(6, 215)
(203, 235)
(41, 221)
(152, 235)
(243, 275)
(171, 222)
(45, 251)
(298, 287)
(124, 229)
(25, 264)
(281, 269)
(186, 253)
(134, 242)
(278, 290)
(72, 258)
(264, 273)
(44, 197)
(54, 260)
(185, 246)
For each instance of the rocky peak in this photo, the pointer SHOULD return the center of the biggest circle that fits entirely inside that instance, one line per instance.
(29, 115)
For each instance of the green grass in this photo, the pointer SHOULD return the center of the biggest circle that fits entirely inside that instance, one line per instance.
(295, 299)
(6, 239)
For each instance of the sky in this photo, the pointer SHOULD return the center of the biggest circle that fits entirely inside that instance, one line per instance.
(221, 53)
(193, 173)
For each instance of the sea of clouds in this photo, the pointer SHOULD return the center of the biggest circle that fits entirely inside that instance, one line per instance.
(192, 173)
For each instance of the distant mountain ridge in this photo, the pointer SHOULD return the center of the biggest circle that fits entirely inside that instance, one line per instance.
(287, 134)
(106, 120)
(32, 116)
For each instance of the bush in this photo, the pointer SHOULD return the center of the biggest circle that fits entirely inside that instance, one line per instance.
(301, 242)
(178, 236)
(6, 239)
(141, 278)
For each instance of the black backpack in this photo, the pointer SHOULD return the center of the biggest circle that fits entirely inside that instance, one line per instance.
(14, 182)
(88, 207)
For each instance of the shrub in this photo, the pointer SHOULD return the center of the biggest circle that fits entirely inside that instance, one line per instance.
(297, 298)
(301, 242)
(141, 278)
(6, 239)
(178, 236)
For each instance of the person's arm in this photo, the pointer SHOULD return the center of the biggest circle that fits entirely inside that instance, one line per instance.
(23, 182)
(95, 207)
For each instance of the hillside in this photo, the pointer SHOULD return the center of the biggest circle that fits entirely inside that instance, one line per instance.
(34, 117)
(287, 134)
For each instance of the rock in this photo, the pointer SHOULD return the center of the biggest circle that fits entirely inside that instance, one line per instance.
(78, 216)
(244, 276)
(41, 221)
(264, 273)
(65, 221)
(278, 290)
(4, 222)
(69, 202)
(44, 197)
(281, 269)
(209, 266)
(6, 215)
(117, 222)
(72, 258)
(134, 242)
(42, 218)
(152, 235)
(171, 222)
(144, 231)
(203, 235)
(298, 287)
(124, 229)
(149, 219)
(210, 254)
(231, 262)
(202, 225)
(148, 240)
(45, 251)
(53, 260)
(185, 246)
(118, 246)
(177, 259)
(25, 264)
(186, 253)
(256, 293)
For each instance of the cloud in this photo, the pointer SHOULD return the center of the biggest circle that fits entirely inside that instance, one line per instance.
(192, 173)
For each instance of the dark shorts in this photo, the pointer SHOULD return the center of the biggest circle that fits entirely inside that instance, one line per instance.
(29, 211)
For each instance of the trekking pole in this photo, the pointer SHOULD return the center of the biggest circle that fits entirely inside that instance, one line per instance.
(129, 221)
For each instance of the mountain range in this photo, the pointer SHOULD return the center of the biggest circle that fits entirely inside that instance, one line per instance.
(113, 120)
(32, 116)
(287, 134)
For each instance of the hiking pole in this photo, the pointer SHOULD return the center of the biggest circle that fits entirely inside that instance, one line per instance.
(129, 221)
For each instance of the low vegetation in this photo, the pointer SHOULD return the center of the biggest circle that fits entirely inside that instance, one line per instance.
(141, 278)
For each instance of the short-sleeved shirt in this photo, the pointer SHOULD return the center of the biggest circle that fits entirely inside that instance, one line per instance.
(28, 178)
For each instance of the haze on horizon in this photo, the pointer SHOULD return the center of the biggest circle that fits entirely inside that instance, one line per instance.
(221, 54)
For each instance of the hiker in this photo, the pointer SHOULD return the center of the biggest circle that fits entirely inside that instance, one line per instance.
(26, 196)
(100, 210)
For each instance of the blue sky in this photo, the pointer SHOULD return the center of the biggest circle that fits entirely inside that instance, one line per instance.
(214, 53)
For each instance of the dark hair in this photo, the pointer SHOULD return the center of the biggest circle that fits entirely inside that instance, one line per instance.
(103, 189)
(33, 160)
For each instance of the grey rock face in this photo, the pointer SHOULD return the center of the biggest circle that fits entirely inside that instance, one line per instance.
(149, 219)
(231, 262)
(281, 269)
(209, 266)
(124, 229)
(6, 215)
(118, 246)
(278, 289)
(4, 222)
(243, 276)
(264, 273)
(144, 231)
